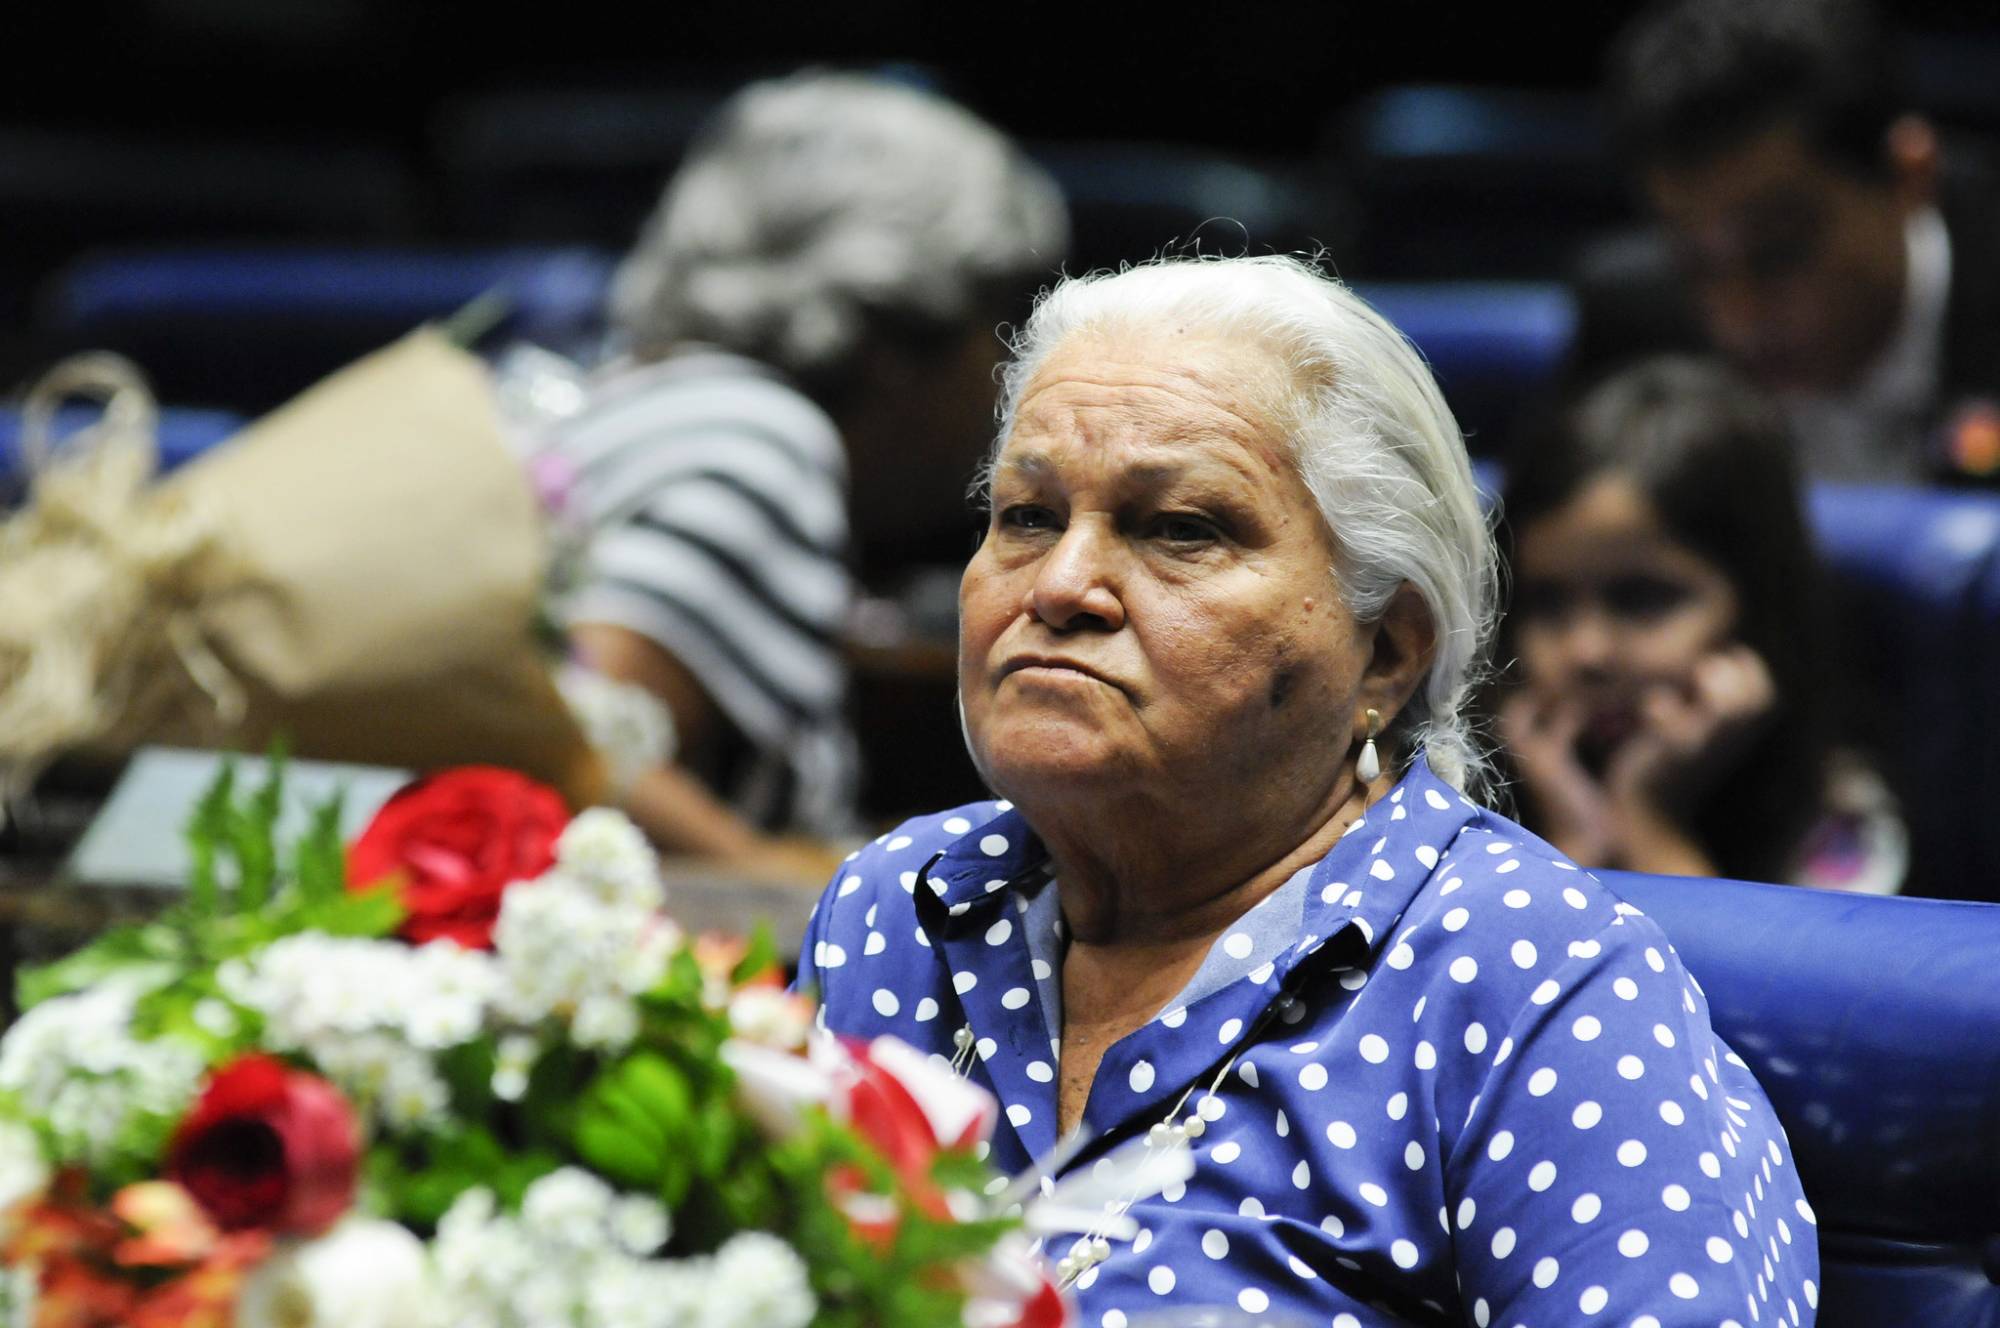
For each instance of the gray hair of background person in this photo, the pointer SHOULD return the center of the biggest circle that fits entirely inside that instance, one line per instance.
(1370, 434)
(820, 209)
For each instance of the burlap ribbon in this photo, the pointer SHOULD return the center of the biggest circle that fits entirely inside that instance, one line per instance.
(101, 578)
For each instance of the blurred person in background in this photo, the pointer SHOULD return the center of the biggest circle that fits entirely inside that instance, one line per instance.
(1673, 706)
(1815, 235)
(807, 327)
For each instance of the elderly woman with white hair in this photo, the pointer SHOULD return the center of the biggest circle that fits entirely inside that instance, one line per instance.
(1239, 904)
(808, 321)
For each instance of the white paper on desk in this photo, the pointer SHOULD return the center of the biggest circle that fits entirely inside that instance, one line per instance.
(137, 839)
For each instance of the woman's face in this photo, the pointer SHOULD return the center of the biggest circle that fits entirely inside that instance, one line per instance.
(1154, 603)
(1607, 603)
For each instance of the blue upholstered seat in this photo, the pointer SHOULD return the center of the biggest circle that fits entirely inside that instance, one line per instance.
(1457, 178)
(1495, 346)
(183, 435)
(546, 288)
(249, 328)
(1874, 1026)
(1918, 579)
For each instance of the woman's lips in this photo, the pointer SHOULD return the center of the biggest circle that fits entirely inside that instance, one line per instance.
(1051, 666)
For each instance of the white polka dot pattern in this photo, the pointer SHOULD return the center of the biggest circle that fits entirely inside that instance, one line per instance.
(1512, 1107)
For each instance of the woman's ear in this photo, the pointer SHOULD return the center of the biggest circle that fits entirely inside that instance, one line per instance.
(1405, 642)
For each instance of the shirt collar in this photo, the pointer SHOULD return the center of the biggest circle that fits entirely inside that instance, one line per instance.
(1362, 886)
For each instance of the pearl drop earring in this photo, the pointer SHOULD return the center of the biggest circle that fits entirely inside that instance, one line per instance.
(1369, 767)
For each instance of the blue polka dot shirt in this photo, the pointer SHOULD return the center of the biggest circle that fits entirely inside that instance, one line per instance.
(1444, 1077)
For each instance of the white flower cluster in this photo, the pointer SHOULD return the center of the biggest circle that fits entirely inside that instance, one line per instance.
(19, 1295)
(365, 1273)
(586, 938)
(24, 1172)
(580, 943)
(577, 1255)
(72, 1062)
(602, 852)
(368, 1013)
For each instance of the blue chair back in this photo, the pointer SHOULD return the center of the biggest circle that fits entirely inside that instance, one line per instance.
(1495, 346)
(183, 435)
(1871, 1023)
(1453, 179)
(1917, 576)
(250, 328)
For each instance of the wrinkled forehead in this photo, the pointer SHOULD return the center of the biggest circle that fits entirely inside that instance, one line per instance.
(1170, 384)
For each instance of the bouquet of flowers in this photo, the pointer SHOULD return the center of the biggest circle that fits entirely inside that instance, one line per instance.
(468, 1073)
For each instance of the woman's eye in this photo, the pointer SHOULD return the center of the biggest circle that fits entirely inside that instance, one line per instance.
(1181, 528)
(1027, 516)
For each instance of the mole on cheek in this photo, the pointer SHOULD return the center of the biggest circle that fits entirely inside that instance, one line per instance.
(1283, 683)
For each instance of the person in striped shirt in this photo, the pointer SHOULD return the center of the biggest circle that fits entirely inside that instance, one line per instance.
(807, 327)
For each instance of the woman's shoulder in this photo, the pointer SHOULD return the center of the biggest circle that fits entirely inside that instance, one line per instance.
(921, 838)
(1505, 920)
(883, 874)
(1497, 867)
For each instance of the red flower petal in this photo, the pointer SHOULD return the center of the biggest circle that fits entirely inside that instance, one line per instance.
(284, 1161)
(456, 840)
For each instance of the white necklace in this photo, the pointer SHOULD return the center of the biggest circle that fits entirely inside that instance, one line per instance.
(1169, 1160)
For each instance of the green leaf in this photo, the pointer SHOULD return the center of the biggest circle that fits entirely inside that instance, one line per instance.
(257, 831)
(468, 1072)
(606, 1144)
(417, 1179)
(370, 914)
(320, 860)
(548, 1110)
(715, 1139)
(658, 1088)
(150, 955)
(207, 830)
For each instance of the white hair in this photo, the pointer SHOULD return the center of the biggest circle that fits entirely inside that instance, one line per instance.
(1372, 439)
(814, 207)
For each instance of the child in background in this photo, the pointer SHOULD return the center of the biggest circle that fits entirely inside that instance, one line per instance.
(1671, 708)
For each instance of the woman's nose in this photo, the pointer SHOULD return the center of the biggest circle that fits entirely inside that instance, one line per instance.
(1075, 587)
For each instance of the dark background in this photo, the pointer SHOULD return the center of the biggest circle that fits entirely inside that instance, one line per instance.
(1253, 76)
(416, 125)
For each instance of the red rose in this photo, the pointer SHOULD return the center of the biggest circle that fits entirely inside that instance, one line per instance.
(268, 1148)
(455, 841)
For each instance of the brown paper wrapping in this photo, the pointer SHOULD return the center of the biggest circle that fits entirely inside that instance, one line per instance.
(380, 560)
